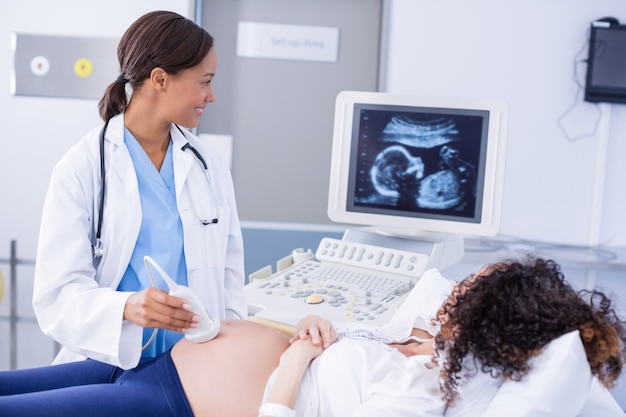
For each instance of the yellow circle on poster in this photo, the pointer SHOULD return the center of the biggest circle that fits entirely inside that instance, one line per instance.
(83, 67)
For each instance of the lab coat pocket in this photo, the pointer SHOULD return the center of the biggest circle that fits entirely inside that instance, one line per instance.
(206, 242)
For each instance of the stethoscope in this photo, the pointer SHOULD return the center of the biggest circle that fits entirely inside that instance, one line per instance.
(97, 249)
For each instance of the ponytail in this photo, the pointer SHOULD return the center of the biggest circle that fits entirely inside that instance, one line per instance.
(114, 100)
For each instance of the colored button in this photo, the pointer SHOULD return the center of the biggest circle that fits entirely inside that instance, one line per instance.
(83, 67)
(314, 299)
(40, 65)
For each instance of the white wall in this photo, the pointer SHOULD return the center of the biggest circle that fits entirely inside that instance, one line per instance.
(558, 188)
(37, 131)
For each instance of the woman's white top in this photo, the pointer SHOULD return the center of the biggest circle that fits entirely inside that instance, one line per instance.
(359, 378)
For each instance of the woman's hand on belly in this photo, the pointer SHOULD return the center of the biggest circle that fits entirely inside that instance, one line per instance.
(317, 329)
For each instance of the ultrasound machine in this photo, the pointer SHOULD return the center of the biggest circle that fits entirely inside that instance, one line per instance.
(414, 175)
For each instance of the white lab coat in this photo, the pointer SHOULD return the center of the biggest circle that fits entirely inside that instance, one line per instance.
(74, 296)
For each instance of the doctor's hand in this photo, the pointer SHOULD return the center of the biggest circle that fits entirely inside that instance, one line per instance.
(155, 308)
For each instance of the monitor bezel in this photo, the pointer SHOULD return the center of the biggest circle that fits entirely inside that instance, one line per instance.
(491, 200)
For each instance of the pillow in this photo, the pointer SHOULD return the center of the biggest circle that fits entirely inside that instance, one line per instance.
(557, 384)
(600, 403)
(475, 393)
(421, 305)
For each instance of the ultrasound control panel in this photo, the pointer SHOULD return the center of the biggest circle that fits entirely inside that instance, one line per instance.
(344, 282)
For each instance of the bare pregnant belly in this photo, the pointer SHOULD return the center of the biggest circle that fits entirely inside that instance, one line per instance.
(226, 376)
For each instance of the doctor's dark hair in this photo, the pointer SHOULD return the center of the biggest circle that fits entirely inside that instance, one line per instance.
(160, 39)
(508, 312)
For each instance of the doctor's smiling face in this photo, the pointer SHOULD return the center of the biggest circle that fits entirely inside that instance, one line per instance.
(169, 62)
(188, 92)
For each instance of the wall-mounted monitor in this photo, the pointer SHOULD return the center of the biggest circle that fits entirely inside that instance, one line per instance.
(410, 165)
(606, 64)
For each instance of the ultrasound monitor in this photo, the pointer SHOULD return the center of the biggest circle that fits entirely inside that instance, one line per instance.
(418, 167)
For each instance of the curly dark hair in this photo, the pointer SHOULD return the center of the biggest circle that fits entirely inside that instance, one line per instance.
(505, 314)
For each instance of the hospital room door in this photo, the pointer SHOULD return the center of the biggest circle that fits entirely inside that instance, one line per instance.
(279, 105)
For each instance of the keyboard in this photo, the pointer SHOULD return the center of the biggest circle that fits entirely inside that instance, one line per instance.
(346, 282)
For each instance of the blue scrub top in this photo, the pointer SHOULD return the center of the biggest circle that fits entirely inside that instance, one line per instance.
(160, 236)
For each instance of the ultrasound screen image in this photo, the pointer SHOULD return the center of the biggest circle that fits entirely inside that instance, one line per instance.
(425, 163)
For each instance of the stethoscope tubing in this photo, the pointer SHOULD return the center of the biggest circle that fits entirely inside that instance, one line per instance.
(97, 248)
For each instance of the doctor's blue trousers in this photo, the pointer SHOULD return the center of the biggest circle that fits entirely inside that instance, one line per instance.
(94, 389)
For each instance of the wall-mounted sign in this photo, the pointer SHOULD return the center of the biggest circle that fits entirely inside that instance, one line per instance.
(280, 41)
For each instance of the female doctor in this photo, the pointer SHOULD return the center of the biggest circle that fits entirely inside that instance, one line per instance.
(140, 185)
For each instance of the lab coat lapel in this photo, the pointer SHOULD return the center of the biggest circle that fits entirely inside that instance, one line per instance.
(123, 205)
(182, 159)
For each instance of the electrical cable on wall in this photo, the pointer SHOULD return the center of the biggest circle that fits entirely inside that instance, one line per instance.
(567, 114)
